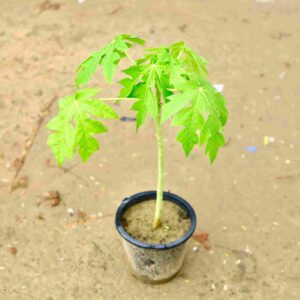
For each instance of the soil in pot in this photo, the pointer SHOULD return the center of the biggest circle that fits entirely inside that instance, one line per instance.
(138, 219)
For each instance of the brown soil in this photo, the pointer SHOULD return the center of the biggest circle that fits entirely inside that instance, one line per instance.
(138, 219)
(247, 202)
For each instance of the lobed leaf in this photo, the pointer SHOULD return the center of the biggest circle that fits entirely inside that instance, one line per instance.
(203, 121)
(108, 57)
(75, 126)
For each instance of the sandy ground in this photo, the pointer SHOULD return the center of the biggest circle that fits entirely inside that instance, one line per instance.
(249, 203)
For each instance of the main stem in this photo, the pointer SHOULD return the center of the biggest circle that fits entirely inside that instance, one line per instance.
(160, 177)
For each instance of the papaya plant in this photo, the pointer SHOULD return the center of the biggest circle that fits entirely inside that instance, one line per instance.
(169, 82)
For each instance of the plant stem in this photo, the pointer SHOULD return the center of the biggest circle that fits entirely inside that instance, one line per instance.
(112, 99)
(130, 58)
(160, 177)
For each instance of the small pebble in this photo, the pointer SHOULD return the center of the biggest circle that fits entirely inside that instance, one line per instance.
(243, 156)
(268, 140)
(291, 146)
(213, 286)
(80, 186)
(287, 161)
(97, 183)
(12, 250)
(70, 211)
(224, 228)
(238, 261)
(195, 249)
(276, 158)
(225, 287)
(271, 139)
(92, 178)
(244, 228)
(247, 250)
(282, 75)
(2, 268)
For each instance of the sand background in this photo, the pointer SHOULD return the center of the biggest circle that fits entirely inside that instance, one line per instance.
(248, 203)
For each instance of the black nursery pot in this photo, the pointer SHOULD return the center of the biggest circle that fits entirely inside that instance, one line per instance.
(155, 263)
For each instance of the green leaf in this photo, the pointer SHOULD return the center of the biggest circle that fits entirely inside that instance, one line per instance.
(74, 126)
(203, 122)
(143, 91)
(176, 103)
(216, 141)
(86, 93)
(147, 103)
(108, 57)
(141, 109)
(192, 120)
(110, 61)
(133, 39)
(128, 83)
(98, 108)
(62, 143)
(190, 60)
(164, 86)
(212, 136)
(88, 68)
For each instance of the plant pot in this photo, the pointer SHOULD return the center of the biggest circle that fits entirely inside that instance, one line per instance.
(155, 263)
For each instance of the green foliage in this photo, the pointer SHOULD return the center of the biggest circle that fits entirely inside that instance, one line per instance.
(172, 78)
(74, 125)
(204, 118)
(179, 74)
(108, 57)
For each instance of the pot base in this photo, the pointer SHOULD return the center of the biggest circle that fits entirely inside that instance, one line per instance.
(149, 281)
(155, 266)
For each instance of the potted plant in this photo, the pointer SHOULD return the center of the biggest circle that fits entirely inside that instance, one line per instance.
(166, 83)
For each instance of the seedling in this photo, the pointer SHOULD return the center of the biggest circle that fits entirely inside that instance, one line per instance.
(166, 83)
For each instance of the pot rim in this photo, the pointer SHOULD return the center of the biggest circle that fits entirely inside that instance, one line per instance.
(148, 195)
